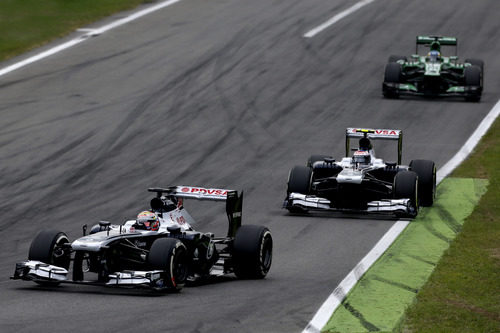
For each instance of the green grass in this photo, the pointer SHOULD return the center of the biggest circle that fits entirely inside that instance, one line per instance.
(26, 24)
(463, 293)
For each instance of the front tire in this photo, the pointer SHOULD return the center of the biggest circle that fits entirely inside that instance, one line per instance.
(299, 180)
(170, 255)
(472, 78)
(48, 247)
(405, 186)
(252, 252)
(426, 171)
(392, 75)
(479, 63)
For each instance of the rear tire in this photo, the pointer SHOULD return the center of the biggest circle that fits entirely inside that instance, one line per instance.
(472, 78)
(426, 171)
(405, 186)
(47, 248)
(392, 74)
(252, 252)
(170, 255)
(299, 180)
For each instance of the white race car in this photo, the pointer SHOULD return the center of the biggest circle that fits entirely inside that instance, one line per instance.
(158, 250)
(361, 182)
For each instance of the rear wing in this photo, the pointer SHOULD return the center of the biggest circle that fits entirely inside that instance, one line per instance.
(374, 134)
(234, 202)
(429, 40)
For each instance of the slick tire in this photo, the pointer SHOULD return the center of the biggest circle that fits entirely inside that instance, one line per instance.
(472, 78)
(170, 255)
(479, 63)
(406, 186)
(47, 248)
(299, 180)
(426, 171)
(392, 74)
(252, 252)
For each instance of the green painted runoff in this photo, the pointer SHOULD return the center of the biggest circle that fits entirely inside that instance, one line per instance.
(378, 301)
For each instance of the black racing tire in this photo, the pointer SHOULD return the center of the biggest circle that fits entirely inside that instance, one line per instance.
(395, 58)
(316, 158)
(299, 179)
(426, 171)
(392, 74)
(406, 186)
(170, 255)
(47, 248)
(252, 252)
(479, 63)
(472, 78)
(476, 62)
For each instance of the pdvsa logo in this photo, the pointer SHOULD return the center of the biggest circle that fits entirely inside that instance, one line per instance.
(386, 132)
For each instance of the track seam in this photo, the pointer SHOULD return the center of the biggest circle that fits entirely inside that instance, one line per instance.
(365, 323)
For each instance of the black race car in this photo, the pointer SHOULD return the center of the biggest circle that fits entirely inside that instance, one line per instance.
(161, 253)
(361, 182)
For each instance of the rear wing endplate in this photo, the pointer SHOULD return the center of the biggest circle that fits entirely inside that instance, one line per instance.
(374, 134)
(234, 202)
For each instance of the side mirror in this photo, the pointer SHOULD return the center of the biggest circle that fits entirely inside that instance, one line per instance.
(174, 229)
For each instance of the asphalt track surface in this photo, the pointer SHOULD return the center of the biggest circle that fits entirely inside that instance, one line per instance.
(223, 94)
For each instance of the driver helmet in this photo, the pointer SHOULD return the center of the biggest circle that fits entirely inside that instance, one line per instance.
(361, 157)
(148, 220)
(434, 56)
(365, 144)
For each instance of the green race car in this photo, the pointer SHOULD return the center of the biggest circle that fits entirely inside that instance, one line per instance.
(432, 74)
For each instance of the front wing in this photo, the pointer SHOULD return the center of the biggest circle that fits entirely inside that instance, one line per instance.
(37, 271)
(410, 89)
(386, 206)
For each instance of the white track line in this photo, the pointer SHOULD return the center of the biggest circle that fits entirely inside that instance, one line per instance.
(337, 18)
(40, 56)
(327, 309)
(90, 33)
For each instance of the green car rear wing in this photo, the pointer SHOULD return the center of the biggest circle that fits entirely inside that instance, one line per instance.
(427, 40)
(435, 42)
